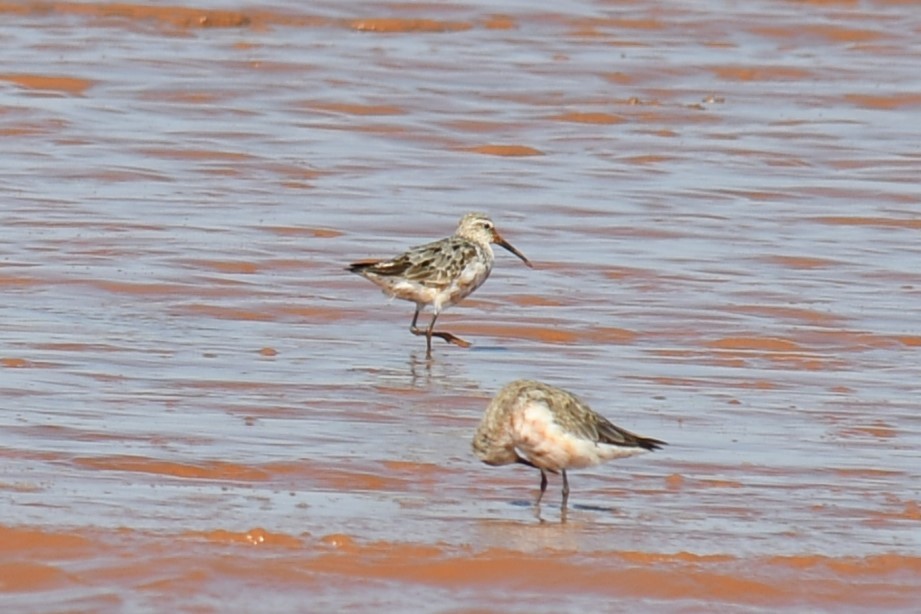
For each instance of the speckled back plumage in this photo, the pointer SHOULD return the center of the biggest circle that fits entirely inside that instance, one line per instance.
(434, 265)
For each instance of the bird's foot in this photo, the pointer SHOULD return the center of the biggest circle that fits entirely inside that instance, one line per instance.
(451, 338)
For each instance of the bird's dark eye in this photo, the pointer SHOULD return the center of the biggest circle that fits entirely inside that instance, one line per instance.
(487, 225)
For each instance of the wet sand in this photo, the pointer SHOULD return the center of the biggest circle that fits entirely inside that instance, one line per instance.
(205, 412)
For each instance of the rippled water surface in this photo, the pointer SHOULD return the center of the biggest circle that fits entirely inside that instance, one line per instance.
(204, 411)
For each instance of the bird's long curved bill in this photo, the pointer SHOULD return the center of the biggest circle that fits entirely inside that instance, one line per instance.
(511, 248)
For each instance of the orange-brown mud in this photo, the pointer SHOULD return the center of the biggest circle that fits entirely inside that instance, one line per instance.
(205, 412)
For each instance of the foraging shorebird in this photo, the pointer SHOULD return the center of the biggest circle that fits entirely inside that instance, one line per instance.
(550, 429)
(440, 274)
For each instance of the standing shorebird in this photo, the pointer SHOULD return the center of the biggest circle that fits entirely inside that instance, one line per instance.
(550, 429)
(439, 274)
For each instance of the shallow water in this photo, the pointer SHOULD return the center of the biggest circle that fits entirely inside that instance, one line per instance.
(205, 412)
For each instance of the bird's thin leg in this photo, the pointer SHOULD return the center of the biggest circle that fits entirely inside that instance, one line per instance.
(412, 327)
(428, 336)
(565, 491)
(431, 332)
(543, 487)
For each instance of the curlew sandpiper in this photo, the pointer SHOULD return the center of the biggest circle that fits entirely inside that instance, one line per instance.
(550, 429)
(440, 274)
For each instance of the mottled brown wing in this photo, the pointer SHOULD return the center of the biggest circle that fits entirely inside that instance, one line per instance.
(578, 418)
(435, 264)
(599, 429)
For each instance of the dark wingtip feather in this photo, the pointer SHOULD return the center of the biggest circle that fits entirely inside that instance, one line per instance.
(648, 443)
(358, 267)
(382, 268)
(611, 434)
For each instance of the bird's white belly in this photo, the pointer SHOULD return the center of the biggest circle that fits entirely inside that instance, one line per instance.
(471, 278)
(412, 291)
